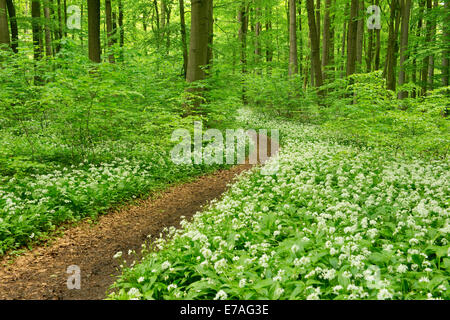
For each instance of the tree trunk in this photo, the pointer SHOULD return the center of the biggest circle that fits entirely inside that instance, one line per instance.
(258, 30)
(391, 60)
(344, 38)
(426, 60)
(269, 50)
(158, 27)
(378, 46)
(243, 21)
(198, 48)
(121, 30)
(406, 9)
(293, 54)
(36, 27)
(315, 49)
(94, 30)
(59, 32)
(65, 18)
(209, 53)
(4, 30)
(352, 36)
(300, 36)
(446, 58)
(360, 36)
(430, 83)
(183, 37)
(318, 20)
(109, 28)
(48, 32)
(13, 25)
(327, 39)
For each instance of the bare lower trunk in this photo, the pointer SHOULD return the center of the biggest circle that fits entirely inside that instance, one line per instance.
(426, 60)
(293, 55)
(352, 37)
(360, 36)
(48, 33)
(315, 49)
(406, 8)
(243, 21)
(446, 58)
(391, 59)
(430, 83)
(109, 29)
(94, 30)
(4, 30)
(183, 37)
(13, 25)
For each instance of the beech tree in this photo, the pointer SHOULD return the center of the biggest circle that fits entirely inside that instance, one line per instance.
(406, 8)
(4, 31)
(13, 25)
(109, 28)
(293, 56)
(446, 54)
(183, 37)
(315, 49)
(352, 37)
(94, 30)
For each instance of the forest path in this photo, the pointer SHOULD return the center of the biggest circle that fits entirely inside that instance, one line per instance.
(41, 272)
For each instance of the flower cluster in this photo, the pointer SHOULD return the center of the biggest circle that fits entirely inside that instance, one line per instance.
(335, 222)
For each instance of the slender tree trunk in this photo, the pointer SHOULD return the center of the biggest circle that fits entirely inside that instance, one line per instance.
(162, 17)
(378, 46)
(391, 60)
(269, 49)
(48, 32)
(315, 49)
(418, 35)
(360, 36)
(58, 32)
(352, 36)
(258, 30)
(94, 30)
(183, 37)
(426, 60)
(446, 53)
(210, 53)
(318, 20)
(243, 21)
(406, 9)
(430, 83)
(4, 30)
(344, 38)
(157, 20)
(65, 18)
(327, 39)
(121, 31)
(293, 54)
(109, 29)
(37, 31)
(300, 35)
(168, 12)
(13, 25)
(369, 57)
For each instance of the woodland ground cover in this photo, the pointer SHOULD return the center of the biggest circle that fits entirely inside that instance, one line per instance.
(336, 222)
(73, 147)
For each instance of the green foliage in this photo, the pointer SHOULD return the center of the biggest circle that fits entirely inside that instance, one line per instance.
(335, 222)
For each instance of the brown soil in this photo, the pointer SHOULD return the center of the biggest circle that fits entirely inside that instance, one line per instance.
(41, 272)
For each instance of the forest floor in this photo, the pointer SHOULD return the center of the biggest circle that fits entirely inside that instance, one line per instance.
(41, 272)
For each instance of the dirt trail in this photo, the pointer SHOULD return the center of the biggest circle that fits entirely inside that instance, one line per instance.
(41, 272)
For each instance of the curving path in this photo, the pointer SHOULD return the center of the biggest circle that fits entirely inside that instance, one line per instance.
(41, 272)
